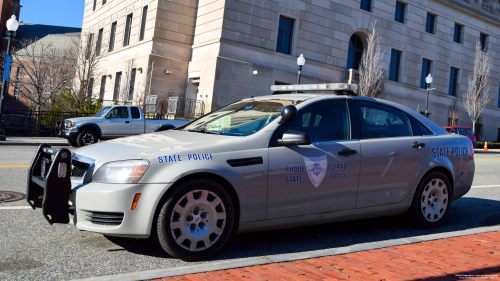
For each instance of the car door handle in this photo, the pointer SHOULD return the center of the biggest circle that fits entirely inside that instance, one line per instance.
(418, 144)
(127, 121)
(346, 152)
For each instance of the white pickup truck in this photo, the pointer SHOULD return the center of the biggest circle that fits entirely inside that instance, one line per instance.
(112, 122)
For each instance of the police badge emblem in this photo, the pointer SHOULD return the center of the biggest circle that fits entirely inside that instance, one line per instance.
(316, 169)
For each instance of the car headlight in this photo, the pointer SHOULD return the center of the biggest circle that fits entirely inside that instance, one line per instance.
(130, 171)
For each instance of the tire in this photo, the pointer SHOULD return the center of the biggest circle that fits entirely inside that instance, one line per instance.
(72, 143)
(194, 206)
(87, 137)
(432, 201)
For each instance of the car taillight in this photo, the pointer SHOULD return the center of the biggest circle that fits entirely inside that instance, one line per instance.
(471, 154)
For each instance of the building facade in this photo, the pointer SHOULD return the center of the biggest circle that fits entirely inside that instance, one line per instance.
(219, 51)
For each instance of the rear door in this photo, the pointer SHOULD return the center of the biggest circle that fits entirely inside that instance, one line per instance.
(315, 178)
(392, 155)
(118, 123)
(137, 121)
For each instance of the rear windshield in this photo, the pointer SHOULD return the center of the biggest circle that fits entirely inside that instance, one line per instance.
(470, 132)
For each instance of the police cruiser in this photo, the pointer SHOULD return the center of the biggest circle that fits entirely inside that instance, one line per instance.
(262, 163)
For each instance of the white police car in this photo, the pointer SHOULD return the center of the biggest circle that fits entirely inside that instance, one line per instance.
(262, 163)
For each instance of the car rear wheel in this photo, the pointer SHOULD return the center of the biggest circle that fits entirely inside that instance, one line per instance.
(432, 201)
(195, 221)
(87, 137)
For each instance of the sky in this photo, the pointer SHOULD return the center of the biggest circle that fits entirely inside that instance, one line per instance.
(53, 12)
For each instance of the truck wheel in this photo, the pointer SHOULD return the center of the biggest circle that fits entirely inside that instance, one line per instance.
(195, 221)
(86, 137)
(432, 201)
(72, 143)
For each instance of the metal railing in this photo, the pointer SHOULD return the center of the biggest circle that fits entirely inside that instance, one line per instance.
(351, 76)
(185, 107)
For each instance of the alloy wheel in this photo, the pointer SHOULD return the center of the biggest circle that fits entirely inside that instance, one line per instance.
(434, 200)
(198, 220)
(88, 139)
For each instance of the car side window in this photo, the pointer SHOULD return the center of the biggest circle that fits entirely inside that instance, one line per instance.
(461, 131)
(471, 133)
(135, 113)
(454, 131)
(327, 121)
(119, 113)
(380, 121)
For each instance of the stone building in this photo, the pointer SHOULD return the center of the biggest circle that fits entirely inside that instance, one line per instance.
(219, 51)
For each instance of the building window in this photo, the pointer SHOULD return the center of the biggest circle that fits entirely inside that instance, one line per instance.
(355, 52)
(483, 39)
(143, 23)
(112, 37)
(453, 87)
(457, 34)
(285, 35)
(400, 12)
(99, 43)
(89, 45)
(103, 87)
(95, 3)
(116, 92)
(366, 5)
(17, 94)
(498, 101)
(426, 70)
(90, 87)
(131, 85)
(429, 24)
(128, 27)
(104, 2)
(395, 63)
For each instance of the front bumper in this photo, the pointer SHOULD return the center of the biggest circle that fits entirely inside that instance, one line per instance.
(95, 200)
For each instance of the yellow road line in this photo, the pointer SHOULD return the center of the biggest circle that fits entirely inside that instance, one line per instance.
(14, 166)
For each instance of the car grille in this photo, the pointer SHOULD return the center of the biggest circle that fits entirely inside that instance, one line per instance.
(79, 168)
(105, 218)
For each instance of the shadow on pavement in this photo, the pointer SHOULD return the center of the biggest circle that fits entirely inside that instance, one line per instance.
(465, 213)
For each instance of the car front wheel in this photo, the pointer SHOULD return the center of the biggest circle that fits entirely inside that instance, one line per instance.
(432, 201)
(196, 220)
(87, 137)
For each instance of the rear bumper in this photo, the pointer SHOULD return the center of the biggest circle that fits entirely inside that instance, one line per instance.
(464, 185)
(95, 200)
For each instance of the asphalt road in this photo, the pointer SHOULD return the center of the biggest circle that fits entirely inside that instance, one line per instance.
(31, 249)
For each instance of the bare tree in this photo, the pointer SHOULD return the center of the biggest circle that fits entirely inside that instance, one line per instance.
(477, 96)
(453, 113)
(370, 71)
(144, 86)
(127, 91)
(46, 71)
(86, 55)
(328, 75)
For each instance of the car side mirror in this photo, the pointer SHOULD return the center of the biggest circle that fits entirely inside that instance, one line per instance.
(107, 116)
(288, 113)
(292, 137)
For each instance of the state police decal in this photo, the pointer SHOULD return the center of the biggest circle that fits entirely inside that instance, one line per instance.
(316, 169)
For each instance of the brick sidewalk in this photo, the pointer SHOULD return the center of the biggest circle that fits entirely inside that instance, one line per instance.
(471, 257)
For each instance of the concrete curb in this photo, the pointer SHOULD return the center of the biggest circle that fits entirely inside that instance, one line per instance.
(35, 143)
(221, 265)
(487, 152)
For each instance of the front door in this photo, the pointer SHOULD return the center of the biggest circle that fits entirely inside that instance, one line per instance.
(118, 123)
(312, 179)
(393, 155)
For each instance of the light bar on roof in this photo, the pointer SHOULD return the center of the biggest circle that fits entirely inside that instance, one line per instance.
(315, 87)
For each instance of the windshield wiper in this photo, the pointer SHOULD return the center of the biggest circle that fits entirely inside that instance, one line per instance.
(203, 131)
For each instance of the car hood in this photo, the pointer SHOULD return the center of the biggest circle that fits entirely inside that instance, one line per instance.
(79, 120)
(148, 145)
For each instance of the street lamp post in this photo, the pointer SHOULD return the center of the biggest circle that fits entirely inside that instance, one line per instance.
(300, 62)
(428, 81)
(12, 26)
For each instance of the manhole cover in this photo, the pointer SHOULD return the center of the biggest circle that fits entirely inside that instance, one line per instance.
(11, 196)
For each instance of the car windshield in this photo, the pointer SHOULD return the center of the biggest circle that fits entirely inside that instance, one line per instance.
(471, 133)
(241, 118)
(102, 112)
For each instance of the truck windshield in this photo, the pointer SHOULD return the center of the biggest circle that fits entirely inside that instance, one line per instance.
(102, 112)
(241, 118)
